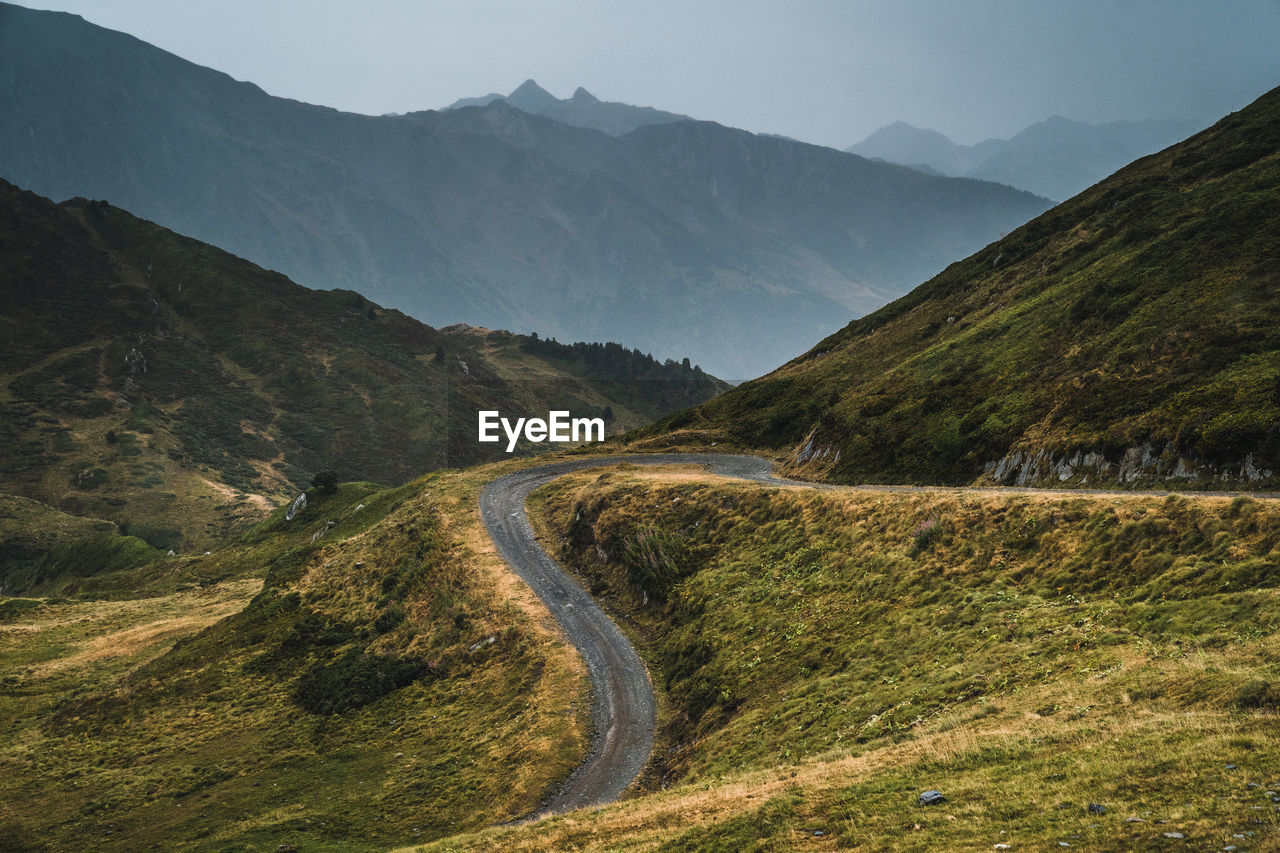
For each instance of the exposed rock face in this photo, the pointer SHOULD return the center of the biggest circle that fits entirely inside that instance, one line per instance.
(298, 505)
(1137, 465)
(813, 458)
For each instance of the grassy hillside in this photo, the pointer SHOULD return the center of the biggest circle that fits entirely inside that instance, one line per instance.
(163, 384)
(363, 675)
(29, 529)
(824, 657)
(1130, 335)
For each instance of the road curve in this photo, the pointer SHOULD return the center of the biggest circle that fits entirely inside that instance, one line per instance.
(623, 711)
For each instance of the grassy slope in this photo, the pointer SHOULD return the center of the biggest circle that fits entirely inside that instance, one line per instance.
(825, 657)
(29, 529)
(161, 383)
(1143, 311)
(188, 704)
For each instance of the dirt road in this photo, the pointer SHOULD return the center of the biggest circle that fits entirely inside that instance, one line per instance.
(624, 711)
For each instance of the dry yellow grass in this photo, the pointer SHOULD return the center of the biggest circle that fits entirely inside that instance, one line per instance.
(91, 633)
(1145, 724)
(193, 612)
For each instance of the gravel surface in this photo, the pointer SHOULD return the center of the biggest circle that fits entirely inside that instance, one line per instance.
(623, 709)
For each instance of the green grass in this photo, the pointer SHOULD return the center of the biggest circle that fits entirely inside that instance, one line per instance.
(1141, 312)
(313, 684)
(29, 529)
(1036, 651)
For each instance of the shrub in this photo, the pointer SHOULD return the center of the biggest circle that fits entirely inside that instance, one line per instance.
(1257, 695)
(89, 478)
(926, 533)
(388, 619)
(354, 680)
(325, 482)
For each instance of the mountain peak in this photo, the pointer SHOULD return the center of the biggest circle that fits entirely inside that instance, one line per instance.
(581, 95)
(531, 97)
(901, 130)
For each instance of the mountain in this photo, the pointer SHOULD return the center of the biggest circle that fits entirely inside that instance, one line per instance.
(919, 148)
(1130, 335)
(1055, 158)
(582, 110)
(681, 238)
(161, 383)
(531, 98)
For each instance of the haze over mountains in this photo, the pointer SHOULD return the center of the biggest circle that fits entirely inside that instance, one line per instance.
(1125, 337)
(1055, 158)
(682, 238)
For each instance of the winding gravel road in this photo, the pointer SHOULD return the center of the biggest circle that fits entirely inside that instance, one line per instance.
(624, 711)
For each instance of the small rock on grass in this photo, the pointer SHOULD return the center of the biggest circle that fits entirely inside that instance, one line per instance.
(1097, 808)
(931, 798)
(1173, 835)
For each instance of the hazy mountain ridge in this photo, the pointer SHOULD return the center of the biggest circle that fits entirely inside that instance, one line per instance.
(154, 380)
(490, 216)
(583, 109)
(1125, 337)
(1055, 158)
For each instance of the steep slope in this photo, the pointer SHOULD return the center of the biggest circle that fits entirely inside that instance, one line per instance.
(1129, 335)
(582, 110)
(156, 381)
(680, 238)
(1055, 158)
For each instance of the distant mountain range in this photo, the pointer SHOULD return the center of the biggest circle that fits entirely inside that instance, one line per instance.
(582, 110)
(1127, 337)
(1055, 158)
(682, 237)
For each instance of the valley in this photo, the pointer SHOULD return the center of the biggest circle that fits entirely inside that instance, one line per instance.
(738, 250)
(181, 392)
(368, 482)
(819, 656)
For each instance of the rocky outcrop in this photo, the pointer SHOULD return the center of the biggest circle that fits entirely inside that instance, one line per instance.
(813, 458)
(1141, 464)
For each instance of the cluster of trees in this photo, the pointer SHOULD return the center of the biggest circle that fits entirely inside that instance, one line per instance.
(611, 360)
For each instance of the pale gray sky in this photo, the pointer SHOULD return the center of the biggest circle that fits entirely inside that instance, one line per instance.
(824, 71)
